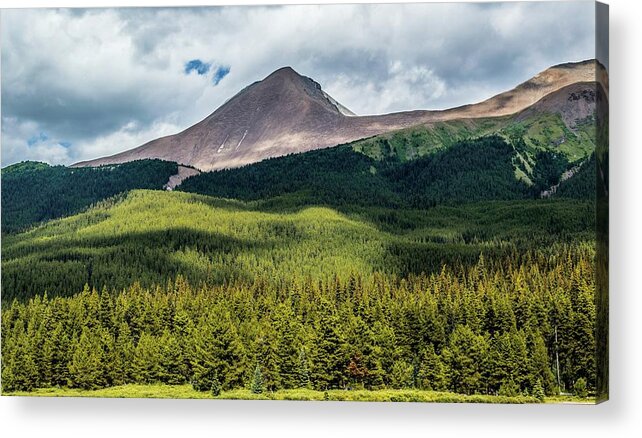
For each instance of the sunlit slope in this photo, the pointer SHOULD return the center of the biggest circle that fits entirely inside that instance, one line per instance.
(153, 236)
(535, 132)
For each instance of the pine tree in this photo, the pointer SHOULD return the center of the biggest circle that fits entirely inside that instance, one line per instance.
(107, 346)
(60, 356)
(122, 356)
(401, 375)
(269, 357)
(509, 388)
(146, 362)
(206, 379)
(215, 387)
(539, 369)
(303, 370)
(465, 357)
(287, 346)
(172, 369)
(357, 370)
(19, 371)
(85, 368)
(217, 348)
(432, 372)
(579, 388)
(257, 381)
(538, 390)
(329, 358)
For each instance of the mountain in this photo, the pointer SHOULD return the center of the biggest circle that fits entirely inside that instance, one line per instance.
(289, 113)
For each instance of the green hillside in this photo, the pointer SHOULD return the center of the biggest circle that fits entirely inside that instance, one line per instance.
(532, 133)
(152, 236)
(226, 295)
(485, 168)
(35, 192)
(582, 184)
(467, 171)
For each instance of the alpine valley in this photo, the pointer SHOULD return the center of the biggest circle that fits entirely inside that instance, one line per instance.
(287, 248)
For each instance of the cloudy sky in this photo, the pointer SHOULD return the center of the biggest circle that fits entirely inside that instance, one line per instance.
(79, 84)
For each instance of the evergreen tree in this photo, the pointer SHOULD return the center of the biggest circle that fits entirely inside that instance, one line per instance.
(172, 369)
(538, 390)
(85, 368)
(19, 371)
(539, 370)
(206, 379)
(357, 370)
(55, 355)
(329, 360)
(303, 370)
(257, 381)
(287, 346)
(432, 372)
(217, 348)
(509, 388)
(401, 375)
(107, 347)
(465, 357)
(215, 388)
(146, 362)
(269, 358)
(122, 356)
(579, 388)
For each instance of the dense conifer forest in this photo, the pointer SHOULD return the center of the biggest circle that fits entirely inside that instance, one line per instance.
(153, 236)
(36, 192)
(468, 171)
(496, 327)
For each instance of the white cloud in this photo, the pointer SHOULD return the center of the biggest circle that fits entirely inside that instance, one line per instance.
(106, 80)
(121, 140)
(16, 147)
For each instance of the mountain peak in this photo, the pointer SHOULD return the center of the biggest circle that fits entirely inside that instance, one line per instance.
(286, 74)
(284, 71)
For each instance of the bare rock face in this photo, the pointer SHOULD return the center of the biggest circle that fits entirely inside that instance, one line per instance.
(288, 113)
(574, 103)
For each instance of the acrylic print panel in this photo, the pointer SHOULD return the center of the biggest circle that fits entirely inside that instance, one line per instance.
(401, 202)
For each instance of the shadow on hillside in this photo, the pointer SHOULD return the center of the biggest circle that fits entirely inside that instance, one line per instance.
(118, 261)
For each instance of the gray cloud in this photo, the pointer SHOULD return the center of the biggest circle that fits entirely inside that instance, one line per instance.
(100, 81)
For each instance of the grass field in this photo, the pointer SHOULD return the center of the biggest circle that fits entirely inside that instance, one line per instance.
(186, 392)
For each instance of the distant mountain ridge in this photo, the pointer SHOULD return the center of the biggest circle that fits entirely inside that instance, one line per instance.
(289, 113)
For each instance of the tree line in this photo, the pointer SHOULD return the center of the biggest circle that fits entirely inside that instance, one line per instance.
(491, 328)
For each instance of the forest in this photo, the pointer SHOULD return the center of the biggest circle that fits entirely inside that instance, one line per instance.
(468, 171)
(378, 266)
(153, 236)
(495, 327)
(35, 192)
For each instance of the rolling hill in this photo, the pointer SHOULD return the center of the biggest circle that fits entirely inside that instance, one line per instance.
(35, 192)
(150, 237)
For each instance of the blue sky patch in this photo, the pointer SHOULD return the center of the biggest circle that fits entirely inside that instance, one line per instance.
(198, 66)
(220, 73)
(37, 139)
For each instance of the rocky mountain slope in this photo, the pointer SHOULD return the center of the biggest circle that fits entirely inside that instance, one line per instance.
(289, 113)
